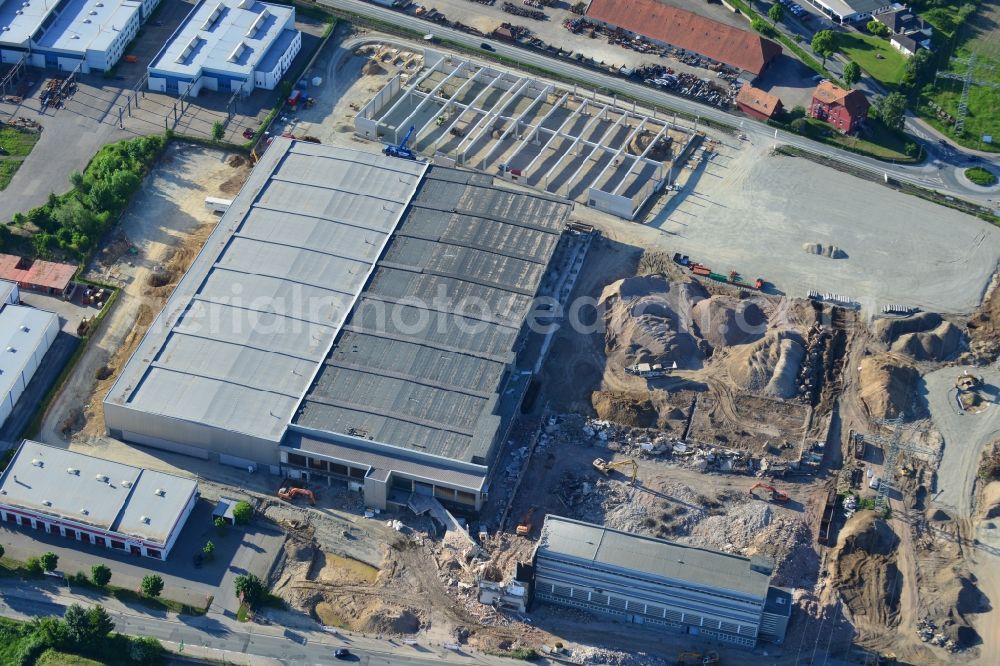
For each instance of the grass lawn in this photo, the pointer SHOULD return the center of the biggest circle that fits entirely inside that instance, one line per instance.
(981, 176)
(15, 142)
(879, 141)
(864, 49)
(982, 118)
(7, 170)
(53, 658)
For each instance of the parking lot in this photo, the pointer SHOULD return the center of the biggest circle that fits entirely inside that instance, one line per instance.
(239, 550)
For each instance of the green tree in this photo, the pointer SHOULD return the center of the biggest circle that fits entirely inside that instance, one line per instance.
(99, 623)
(49, 561)
(218, 130)
(242, 512)
(34, 566)
(145, 650)
(852, 73)
(50, 631)
(919, 69)
(877, 28)
(152, 586)
(100, 574)
(891, 110)
(220, 525)
(824, 43)
(761, 26)
(776, 13)
(799, 125)
(208, 550)
(250, 587)
(77, 625)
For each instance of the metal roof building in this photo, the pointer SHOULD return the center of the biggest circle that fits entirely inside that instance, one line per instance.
(227, 45)
(25, 336)
(94, 500)
(652, 581)
(851, 11)
(65, 34)
(359, 311)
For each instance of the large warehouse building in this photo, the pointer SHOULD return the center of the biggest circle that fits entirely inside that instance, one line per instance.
(25, 335)
(228, 46)
(96, 501)
(651, 581)
(66, 34)
(745, 51)
(352, 316)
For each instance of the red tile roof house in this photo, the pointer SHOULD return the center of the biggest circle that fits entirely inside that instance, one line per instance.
(47, 277)
(757, 104)
(668, 26)
(846, 110)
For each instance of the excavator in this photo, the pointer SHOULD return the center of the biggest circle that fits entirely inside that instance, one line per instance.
(289, 493)
(776, 495)
(697, 658)
(605, 467)
(524, 527)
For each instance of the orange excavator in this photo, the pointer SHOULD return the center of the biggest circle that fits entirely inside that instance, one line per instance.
(289, 493)
(776, 495)
(524, 527)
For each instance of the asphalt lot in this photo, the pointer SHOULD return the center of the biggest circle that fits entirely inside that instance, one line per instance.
(240, 550)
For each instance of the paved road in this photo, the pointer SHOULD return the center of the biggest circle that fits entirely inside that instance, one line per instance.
(930, 174)
(26, 600)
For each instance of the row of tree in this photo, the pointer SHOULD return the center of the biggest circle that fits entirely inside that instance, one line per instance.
(71, 224)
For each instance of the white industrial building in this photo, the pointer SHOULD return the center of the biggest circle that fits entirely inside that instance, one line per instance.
(851, 11)
(95, 501)
(227, 46)
(25, 335)
(271, 350)
(649, 581)
(66, 34)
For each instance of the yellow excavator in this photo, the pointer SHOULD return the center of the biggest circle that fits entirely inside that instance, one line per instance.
(605, 467)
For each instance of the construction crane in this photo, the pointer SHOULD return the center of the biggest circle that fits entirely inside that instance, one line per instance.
(401, 150)
(524, 527)
(288, 493)
(776, 495)
(605, 467)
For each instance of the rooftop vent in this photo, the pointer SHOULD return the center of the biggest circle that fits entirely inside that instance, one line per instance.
(46, 503)
(25, 328)
(93, 12)
(86, 20)
(37, 463)
(11, 349)
(145, 520)
(85, 512)
(126, 484)
(103, 478)
(160, 492)
(18, 12)
(99, 4)
(73, 470)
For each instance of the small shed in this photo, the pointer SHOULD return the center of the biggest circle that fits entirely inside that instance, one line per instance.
(224, 509)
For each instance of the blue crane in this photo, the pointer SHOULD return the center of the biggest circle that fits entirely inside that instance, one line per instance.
(401, 150)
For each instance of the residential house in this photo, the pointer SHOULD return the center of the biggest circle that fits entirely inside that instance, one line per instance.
(907, 31)
(758, 104)
(846, 110)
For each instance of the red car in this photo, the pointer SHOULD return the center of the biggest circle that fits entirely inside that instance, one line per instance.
(248, 133)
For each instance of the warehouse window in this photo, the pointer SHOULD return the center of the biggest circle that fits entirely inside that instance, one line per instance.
(296, 459)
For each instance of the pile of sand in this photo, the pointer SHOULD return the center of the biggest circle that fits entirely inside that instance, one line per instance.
(630, 409)
(770, 366)
(372, 68)
(831, 251)
(886, 386)
(940, 344)
(648, 320)
(388, 620)
(864, 571)
(924, 336)
(890, 328)
(723, 321)
(984, 326)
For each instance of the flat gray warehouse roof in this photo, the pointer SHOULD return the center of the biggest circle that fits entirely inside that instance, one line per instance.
(421, 360)
(242, 335)
(92, 491)
(589, 543)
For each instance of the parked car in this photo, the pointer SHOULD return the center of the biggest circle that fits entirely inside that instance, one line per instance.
(487, 47)
(342, 653)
